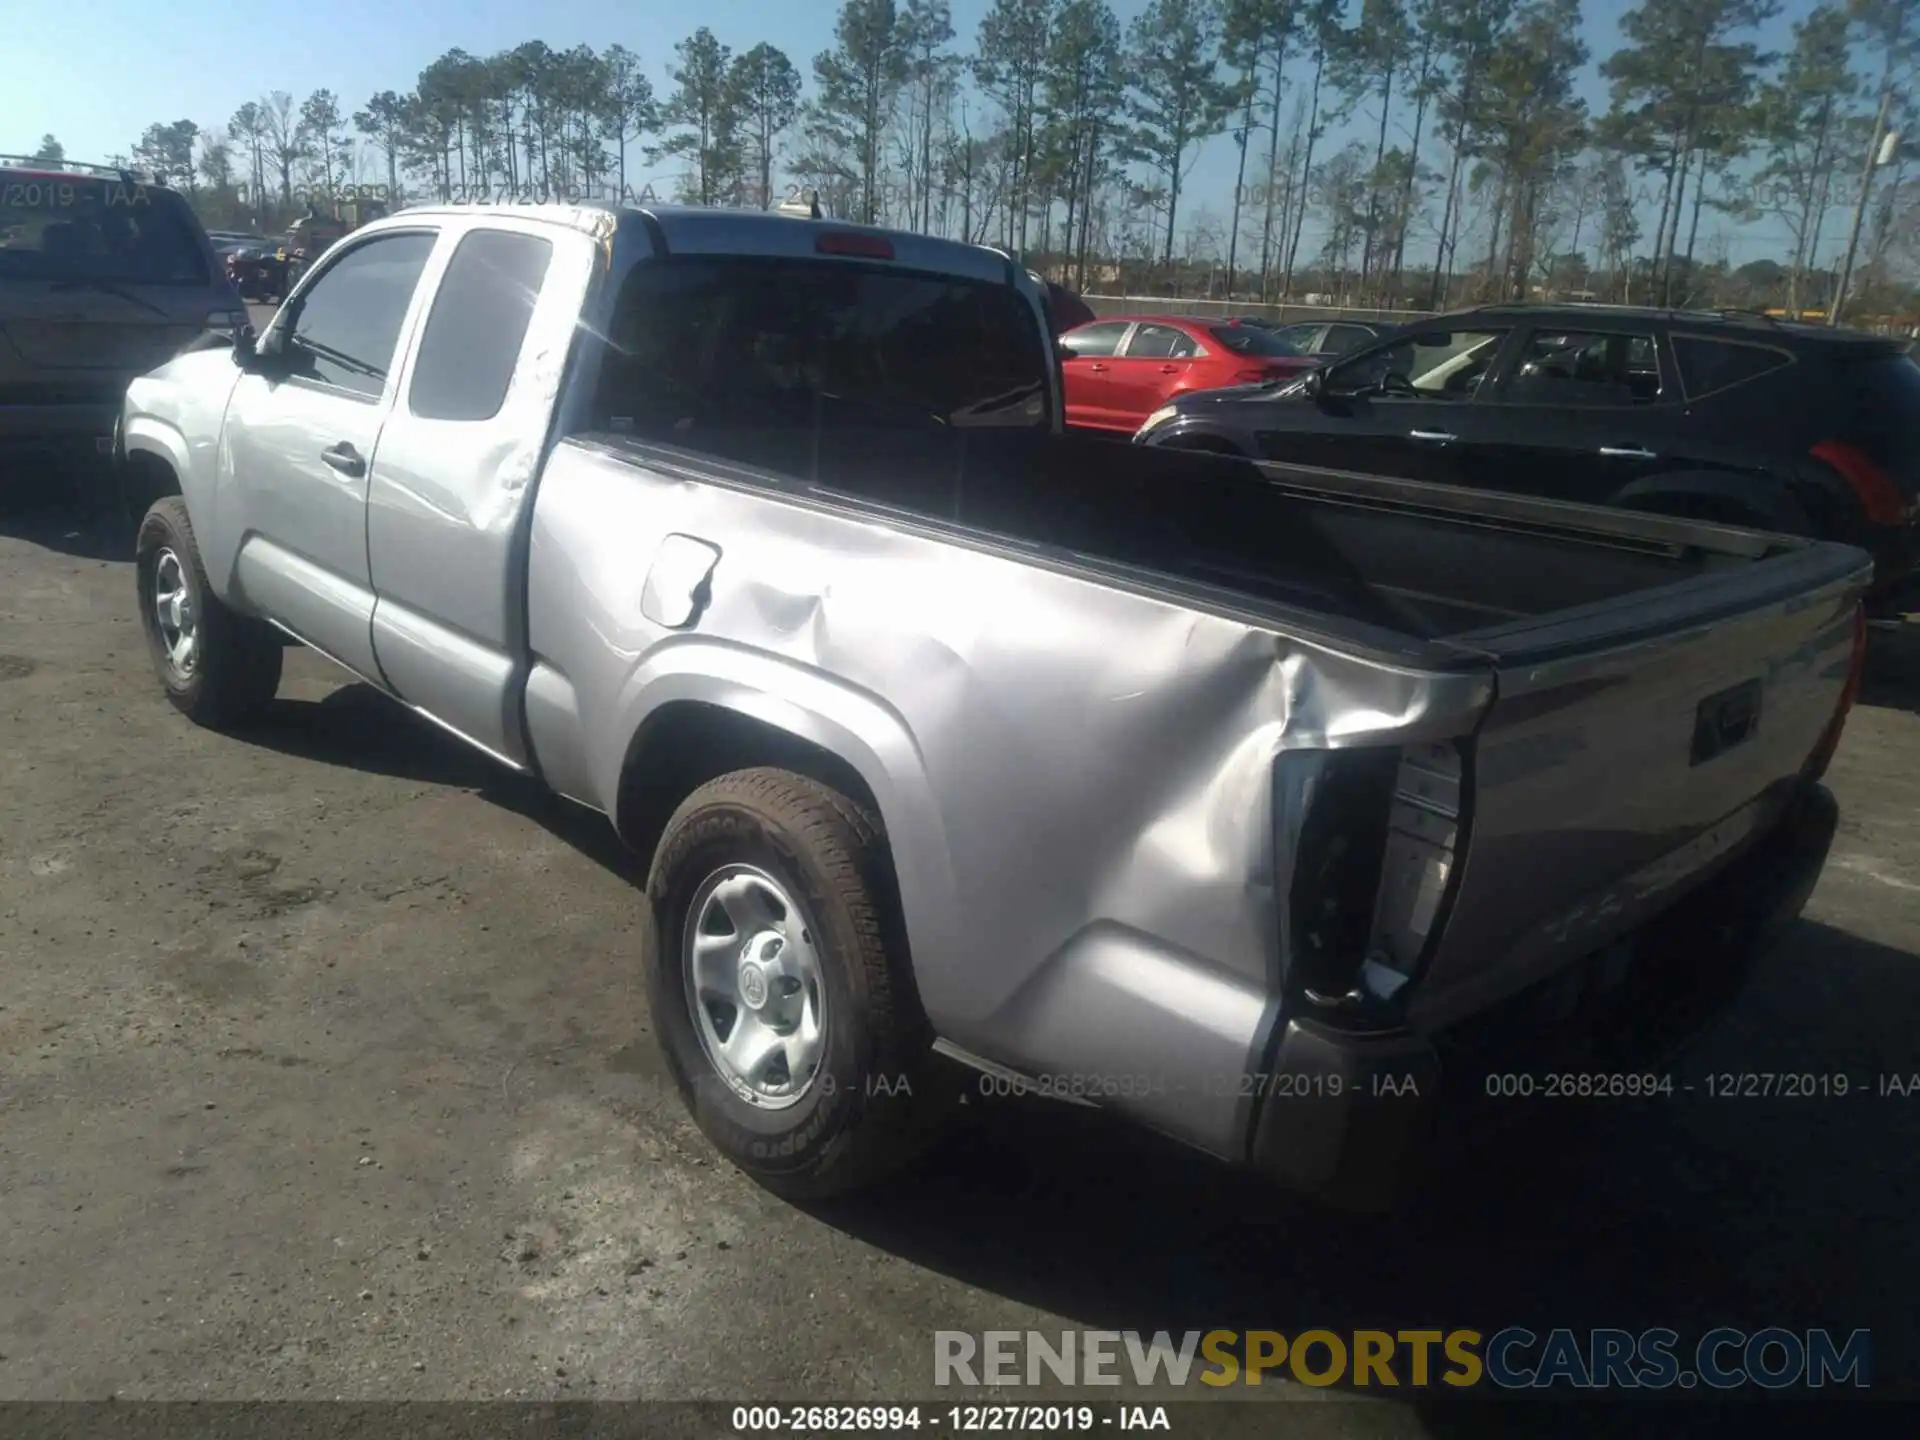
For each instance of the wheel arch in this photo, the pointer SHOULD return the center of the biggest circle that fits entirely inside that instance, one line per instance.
(700, 710)
(1767, 500)
(153, 464)
(1209, 441)
(685, 743)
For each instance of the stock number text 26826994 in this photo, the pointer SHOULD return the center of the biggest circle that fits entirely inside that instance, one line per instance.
(1018, 1419)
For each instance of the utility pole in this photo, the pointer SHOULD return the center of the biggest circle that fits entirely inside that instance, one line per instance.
(1887, 26)
(1874, 161)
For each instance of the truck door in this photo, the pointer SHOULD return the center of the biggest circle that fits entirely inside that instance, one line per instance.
(299, 443)
(458, 460)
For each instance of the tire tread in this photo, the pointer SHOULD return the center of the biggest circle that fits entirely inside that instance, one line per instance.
(241, 657)
(847, 843)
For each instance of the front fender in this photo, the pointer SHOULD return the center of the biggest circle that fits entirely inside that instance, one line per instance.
(847, 722)
(175, 414)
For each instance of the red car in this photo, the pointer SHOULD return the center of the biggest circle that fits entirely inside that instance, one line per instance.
(1121, 369)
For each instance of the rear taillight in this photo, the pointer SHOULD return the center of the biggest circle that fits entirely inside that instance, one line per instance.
(1370, 867)
(1879, 497)
(1823, 753)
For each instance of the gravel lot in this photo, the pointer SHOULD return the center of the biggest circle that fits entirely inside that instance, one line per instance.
(325, 1071)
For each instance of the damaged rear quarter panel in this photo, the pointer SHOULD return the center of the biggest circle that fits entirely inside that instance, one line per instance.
(1075, 777)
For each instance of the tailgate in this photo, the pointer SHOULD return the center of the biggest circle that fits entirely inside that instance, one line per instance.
(1632, 748)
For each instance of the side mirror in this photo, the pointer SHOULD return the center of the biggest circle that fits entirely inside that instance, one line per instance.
(1314, 384)
(263, 353)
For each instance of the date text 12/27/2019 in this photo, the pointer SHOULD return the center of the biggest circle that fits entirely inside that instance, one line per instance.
(906, 1419)
(1277, 1085)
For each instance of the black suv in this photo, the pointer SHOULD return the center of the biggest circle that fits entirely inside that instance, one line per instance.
(1730, 418)
(103, 276)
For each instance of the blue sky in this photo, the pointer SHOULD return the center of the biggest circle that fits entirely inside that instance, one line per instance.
(97, 72)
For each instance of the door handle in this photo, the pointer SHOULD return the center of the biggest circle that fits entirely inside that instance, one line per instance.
(345, 459)
(1098, 368)
(1169, 369)
(1438, 437)
(1627, 452)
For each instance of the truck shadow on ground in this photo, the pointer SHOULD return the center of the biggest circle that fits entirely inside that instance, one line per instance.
(69, 513)
(1686, 1212)
(358, 728)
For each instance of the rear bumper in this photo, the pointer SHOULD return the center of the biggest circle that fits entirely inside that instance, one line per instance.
(1352, 1118)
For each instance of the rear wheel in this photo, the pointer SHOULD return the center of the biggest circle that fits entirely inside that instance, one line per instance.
(218, 666)
(779, 987)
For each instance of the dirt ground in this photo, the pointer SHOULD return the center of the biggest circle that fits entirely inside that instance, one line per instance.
(325, 1071)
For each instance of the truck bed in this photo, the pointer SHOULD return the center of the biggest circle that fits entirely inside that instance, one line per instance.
(1587, 804)
(1425, 562)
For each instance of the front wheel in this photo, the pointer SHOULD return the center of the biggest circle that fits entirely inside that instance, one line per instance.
(779, 985)
(218, 666)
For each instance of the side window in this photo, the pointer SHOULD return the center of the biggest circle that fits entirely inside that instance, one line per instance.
(1161, 342)
(349, 321)
(1342, 338)
(1710, 365)
(477, 325)
(1094, 342)
(1302, 338)
(1423, 365)
(1585, 367)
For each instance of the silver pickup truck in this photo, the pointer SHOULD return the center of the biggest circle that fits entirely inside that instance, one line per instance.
(1273, 808)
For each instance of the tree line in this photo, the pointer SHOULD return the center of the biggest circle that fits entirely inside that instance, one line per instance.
(1395, 153)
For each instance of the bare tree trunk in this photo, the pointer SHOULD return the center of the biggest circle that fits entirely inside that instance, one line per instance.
(1367, 252)
(1845, 277)
(1306, 169)
(1693, 228)
(1239, 184)
(1086, 208)
(1404, 221)
(1494, 237)
(1672, 240)
(1449, 217)
(1672, 173)
(1273, 166)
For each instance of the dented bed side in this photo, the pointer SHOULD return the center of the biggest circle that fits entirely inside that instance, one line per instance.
(1076, 776)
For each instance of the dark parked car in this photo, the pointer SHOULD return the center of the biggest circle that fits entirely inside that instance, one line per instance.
(1739, 420)
(103, 275)
(1066, 309)
(259, 271)
(1332, 337)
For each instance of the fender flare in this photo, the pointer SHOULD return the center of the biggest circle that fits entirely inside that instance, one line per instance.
(1764, 497)
(146, 435)
(1188, 436)
(848, 723)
